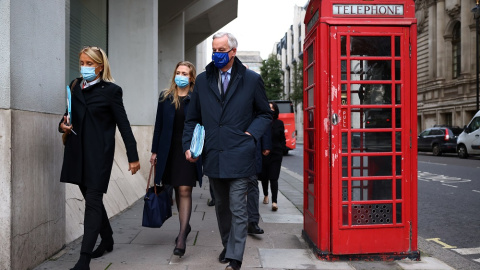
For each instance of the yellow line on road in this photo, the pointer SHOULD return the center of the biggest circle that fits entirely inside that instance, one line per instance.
(437, 240)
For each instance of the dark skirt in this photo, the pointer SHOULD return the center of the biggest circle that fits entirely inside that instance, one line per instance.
(179, 171)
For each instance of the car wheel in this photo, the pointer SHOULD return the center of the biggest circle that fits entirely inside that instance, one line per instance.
(462, 151)
(436, 150)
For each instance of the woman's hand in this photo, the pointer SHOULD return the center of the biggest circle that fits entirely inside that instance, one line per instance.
(153, 159)
(134, 167)
(67, 128)
(188, 156)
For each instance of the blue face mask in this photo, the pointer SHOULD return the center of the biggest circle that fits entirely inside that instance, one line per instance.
(181, 81)
(220, 59)
(88, 73)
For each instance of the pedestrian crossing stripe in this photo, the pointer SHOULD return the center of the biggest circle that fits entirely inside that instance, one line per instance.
(468, 251)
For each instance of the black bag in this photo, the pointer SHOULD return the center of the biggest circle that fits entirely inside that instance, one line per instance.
(158, 205)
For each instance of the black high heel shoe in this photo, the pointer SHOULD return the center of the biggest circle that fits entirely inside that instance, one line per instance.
(105, 245)
(180, 251)
(189, 229)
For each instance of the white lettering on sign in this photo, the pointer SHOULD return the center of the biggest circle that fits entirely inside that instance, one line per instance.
(390, 10)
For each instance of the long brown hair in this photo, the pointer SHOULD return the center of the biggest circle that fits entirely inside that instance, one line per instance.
(172, 91)
(100, 57)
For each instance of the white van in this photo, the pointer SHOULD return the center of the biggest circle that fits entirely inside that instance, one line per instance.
(468, 142)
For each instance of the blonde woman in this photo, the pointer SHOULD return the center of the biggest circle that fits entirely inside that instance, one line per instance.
(171, 166)
(97, 109)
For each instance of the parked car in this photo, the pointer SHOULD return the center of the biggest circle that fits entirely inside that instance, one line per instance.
(469, 140)
(439, 139)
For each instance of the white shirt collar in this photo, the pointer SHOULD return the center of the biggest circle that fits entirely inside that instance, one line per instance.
(86, 84)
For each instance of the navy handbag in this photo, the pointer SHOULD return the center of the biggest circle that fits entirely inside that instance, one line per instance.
(158, 205)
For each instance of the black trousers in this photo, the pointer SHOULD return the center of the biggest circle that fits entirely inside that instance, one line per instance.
(95, 221)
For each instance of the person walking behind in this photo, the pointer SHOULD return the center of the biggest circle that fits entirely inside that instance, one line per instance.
(230, 102)
(263, 148)
(167, 153)
(96, 110)
(272, 163)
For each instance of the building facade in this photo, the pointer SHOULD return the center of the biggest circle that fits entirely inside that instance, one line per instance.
(251, 59)
(289, 50)
(39, 46)
(446, 62)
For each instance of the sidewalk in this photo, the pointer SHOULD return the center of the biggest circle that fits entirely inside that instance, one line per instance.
(281, 247)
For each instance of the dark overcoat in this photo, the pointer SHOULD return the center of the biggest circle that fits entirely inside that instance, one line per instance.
(162, 136)
(88, 156)
(228, 152)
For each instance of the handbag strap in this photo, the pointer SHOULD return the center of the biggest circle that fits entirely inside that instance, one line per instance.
(152, 168)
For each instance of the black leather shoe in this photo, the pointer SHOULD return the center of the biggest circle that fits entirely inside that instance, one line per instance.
(222, 258)
(83, 263)
(234, 265)
(211, 203)
(253, 228)
(105, 245)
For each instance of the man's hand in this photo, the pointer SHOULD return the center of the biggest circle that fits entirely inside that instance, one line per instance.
(266, 152)
(134, 167)
(188, 156)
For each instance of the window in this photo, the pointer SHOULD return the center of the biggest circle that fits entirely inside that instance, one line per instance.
(88, 27)
(456, 51)
(474, 125)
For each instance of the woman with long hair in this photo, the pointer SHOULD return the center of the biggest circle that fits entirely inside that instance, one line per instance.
(171, 166)
(96, 111)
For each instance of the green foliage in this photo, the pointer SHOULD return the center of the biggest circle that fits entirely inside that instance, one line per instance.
(297, 95)
(271, 72)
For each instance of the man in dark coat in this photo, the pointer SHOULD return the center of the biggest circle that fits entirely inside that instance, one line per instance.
(230, 102)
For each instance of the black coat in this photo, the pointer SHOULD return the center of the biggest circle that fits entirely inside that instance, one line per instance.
(88, 157)
(228, 152)
(271, 164)
(162, 136)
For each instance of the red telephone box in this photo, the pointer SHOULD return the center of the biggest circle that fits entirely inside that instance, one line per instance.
(360, 130)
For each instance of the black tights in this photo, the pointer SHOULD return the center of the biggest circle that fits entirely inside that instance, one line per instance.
(274, 188)
(183, 198)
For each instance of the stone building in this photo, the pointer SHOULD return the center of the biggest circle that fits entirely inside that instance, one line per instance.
(446, 62)
(290, 52)
(252, 59)
(39, 46)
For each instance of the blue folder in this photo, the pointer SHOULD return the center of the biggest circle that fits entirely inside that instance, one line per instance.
(196, 146)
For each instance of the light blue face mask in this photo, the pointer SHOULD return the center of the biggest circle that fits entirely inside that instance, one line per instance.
(181, 81)
(88, 73)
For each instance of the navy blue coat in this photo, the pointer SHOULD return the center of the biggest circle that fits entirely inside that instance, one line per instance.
(265, 143)
(228, 151)
(162, 136)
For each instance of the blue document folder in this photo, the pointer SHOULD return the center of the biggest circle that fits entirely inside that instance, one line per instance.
(196, 146)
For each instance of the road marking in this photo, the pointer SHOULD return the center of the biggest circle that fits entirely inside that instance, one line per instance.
(449, 185)
(475, 191)
(437, 240)
(426, 176)
(477, 260)
(433, 163)
(467, 251)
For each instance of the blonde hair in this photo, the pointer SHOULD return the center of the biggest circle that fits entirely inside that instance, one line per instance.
(172, 91)
(99, 57)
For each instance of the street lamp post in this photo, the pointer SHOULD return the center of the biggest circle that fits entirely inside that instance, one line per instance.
(476, 16)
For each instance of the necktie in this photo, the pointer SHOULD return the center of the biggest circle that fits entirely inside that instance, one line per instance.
(225, 81)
